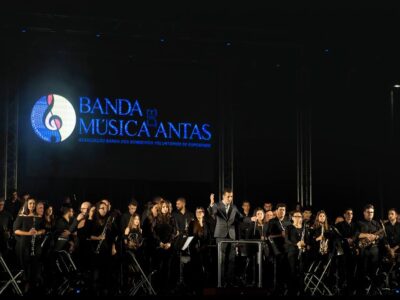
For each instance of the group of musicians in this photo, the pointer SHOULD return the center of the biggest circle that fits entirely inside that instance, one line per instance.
(97, 237)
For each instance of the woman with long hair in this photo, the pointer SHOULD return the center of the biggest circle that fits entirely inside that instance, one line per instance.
(164, 235)
(49, 217)
(27, 227)
(133, 233)
(320, 235)
(199, 249)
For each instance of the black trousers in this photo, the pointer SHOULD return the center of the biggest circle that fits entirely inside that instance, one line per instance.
(368, 264)
(295, 283)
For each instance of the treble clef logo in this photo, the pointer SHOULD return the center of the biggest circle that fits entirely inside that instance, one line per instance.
(53, 118)
(52, 122)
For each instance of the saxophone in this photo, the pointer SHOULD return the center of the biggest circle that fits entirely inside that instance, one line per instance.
(323, 243)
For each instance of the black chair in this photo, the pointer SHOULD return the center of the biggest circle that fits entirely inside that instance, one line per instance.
(139, 278)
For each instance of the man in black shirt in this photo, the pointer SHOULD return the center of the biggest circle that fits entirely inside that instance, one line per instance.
(276, 232)
(369, 233)
(62, 230)
(392, 239)
(132, 208)
(347, 263)
(13, 205)
(182, 216)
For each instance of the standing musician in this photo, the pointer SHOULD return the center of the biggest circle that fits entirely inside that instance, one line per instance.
(133, 238)
(133, 241)
(392, 239)
(83, 247)
(199, 250)
(164, 236)
(276, 232)
(296, 239)
(321, 235)
(62, 230)
(102, 232)
(257, 230)
(149, 242)
(369, 234)
(348, 262)
(27, 227)
(132, 208)
(182, 216)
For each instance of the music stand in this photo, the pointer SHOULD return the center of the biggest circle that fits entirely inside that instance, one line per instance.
(184, 259)
(12, 279)
(259, 257)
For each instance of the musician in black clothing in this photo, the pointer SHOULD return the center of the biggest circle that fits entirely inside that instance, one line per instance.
(6, 222)
(347, 263)
(245, 251)
(62, 234)
(149, 241)
(199, 250)
(13, 205)
(83, 252)
(164, 236)
(132, 208)
(102, 232)
(321, 236)
(392, 239)
(182, 216)
(246, 211)
(257, 230)
(369, 233)
(296, 238)
(276, 232)
(27, 227)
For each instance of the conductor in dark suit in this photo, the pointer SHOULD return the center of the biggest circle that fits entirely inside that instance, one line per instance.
(227, 218)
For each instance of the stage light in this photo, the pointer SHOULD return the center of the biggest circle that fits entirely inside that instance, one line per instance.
(396, 86)
(23, 30)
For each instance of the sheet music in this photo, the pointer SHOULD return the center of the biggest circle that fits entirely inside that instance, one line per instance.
(187, 243)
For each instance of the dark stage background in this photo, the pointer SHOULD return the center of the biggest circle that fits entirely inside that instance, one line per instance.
(264, 63)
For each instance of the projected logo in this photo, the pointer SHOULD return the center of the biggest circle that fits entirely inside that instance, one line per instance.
(53, 118)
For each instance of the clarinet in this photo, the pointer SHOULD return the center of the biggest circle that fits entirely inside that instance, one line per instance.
(109, 221)
(33, 240)
(302, 249)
